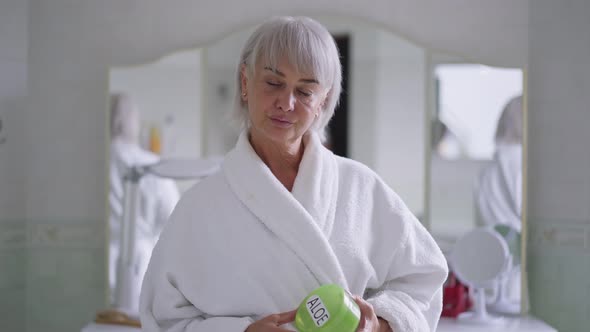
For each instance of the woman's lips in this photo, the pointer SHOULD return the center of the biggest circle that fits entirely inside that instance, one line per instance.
(280, 122)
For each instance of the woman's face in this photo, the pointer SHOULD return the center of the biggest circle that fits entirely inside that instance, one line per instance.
(282, 103)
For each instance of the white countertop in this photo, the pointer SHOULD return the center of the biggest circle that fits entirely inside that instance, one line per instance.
(95, 327)
(521, 324)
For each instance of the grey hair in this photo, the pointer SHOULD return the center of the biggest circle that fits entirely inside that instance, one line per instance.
(510, 129)
(308, 46)
(117, 115)
(124, 117)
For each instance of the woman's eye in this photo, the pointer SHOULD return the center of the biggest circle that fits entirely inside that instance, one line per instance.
(304, 93)
(272, 83)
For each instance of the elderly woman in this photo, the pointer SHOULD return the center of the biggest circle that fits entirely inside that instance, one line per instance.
(284, 215)
(498, 190)
(498, 193)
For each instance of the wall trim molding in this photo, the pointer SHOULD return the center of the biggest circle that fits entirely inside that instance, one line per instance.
(65, 235)
(13, 235)
(22, 235)
(559, 234)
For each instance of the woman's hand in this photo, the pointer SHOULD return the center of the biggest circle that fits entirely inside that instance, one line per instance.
(272, 323)
(369, 321)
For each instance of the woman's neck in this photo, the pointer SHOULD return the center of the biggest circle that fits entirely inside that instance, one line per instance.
(282, 159)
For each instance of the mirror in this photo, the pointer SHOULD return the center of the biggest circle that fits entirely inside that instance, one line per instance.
(155, 117)
(468, 101)
(476, 161)
(466, 257)
(182, 101)
(479, 259)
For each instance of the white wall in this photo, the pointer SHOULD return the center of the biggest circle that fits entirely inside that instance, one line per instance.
(13, 81)
(65, 162)
(559, 162)
(221, 57)
(363, 93)
(400, 119)
(221, 131)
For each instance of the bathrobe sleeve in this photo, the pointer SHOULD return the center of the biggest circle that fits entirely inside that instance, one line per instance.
(163, 306)
(169, 311)
(410, 297)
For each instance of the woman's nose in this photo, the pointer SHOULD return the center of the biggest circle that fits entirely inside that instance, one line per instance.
(285, 101)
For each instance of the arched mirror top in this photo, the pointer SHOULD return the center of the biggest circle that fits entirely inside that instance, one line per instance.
(155, 30)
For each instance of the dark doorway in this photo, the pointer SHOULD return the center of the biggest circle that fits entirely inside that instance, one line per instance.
(338, 127)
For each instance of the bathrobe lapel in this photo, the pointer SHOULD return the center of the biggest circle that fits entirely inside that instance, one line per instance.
(303, 219)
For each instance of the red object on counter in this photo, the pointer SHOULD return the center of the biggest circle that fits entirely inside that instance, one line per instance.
(455, 297)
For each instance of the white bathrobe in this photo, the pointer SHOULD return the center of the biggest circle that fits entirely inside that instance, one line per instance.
(499, 201)
(499, 188)
(240, 246)
(156, 200)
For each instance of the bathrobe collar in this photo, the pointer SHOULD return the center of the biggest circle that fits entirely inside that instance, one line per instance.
(302, 219)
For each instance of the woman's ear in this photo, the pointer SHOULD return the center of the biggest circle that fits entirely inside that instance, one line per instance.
(244, 82)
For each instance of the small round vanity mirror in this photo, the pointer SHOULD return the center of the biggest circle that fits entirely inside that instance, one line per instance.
(479, 259)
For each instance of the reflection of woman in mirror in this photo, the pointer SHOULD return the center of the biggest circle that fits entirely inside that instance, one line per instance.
(499, 190)
(498, 194)
(245, 246)
(157, 197)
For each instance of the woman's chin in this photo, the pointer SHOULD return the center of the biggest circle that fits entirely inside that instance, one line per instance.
(281, 135)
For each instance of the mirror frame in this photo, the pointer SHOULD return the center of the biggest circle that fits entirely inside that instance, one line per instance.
(525, 305)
